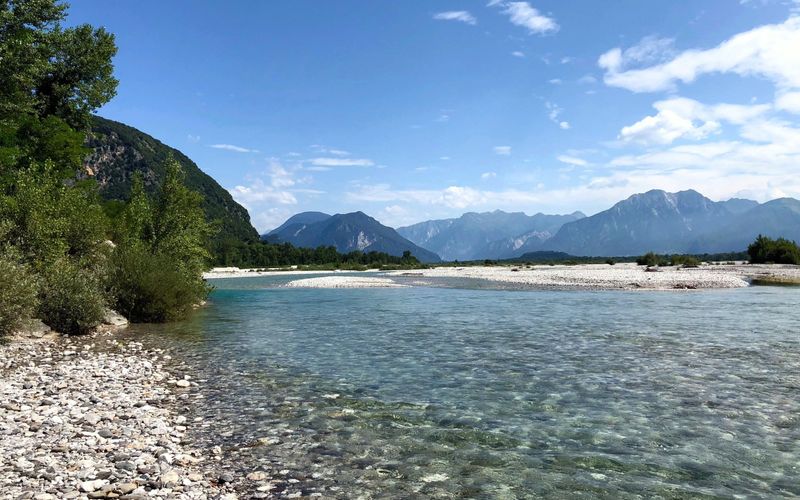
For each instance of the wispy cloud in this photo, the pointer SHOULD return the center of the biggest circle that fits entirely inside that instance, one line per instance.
(524, 15)
(502, 150)
(235, 149)
(341, 162)
(456, 15)
(554, 112)
(488, 175)
(518, 53)
(572, 160)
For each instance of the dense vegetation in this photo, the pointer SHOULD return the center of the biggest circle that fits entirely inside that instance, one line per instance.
(652, 259)
(263, 254)
(57, 259)
(779, 251)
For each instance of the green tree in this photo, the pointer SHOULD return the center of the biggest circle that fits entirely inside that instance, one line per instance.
(157, 265)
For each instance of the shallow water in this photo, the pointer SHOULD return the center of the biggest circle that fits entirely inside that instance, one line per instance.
(479, 393)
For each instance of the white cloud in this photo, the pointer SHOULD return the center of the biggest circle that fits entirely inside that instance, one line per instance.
(555, 81)
(235, 149)
(456, 15)
(502, 150)
(572, 160)
(766, 51)
(193, 138)
(587, 80)
(518, 53)
(258, 191)
(488, 175)
(444, 158)
(524, 15)
(341, 162)
(339, 152)
(680, 117)
(789, 101)
(564, 125)
(567, 60)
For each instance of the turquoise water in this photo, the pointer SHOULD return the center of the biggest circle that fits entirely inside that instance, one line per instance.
(477, 393)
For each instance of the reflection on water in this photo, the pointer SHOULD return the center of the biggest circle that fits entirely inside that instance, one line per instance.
(475, 393)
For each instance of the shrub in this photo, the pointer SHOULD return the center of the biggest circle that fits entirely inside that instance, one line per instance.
(72, 299)
(153, 287)
(649, 259)
(684, 260)
(18, 294)
(780, 251)
(610, 262)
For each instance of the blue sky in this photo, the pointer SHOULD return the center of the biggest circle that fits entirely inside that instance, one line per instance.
(426, 109)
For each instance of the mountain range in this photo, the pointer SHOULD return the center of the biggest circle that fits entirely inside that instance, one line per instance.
(488, 235)
(346, 232)
(667, 223)
(683, 222)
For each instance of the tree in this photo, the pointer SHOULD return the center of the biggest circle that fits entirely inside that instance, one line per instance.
(780, 251)
(161, 253)
(51, 79)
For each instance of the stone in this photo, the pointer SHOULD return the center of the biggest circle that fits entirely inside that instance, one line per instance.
(169, 478)
(90, 486)
(126, 488)
(114, 318)
(225, 477)
(125, 465)
(183, 383)
(257, 476)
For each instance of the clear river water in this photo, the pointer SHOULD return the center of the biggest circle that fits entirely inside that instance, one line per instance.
(463, 391)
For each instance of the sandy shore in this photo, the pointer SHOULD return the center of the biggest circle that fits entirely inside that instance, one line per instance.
(78, 421)
(595, 277)
(344, 282)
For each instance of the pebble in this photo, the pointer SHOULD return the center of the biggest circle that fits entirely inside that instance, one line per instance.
(56, 391)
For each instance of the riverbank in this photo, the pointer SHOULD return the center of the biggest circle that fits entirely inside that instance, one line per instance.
(96, 418)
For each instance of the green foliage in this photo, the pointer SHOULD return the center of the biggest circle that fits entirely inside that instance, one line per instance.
(611, 262)
(157, 265)
(48, 70)
(72, 298)
(780, 251)
(153, 287)
(649, 259)
(48, 219)
(684, 260)
(18, 293)
(230, 252)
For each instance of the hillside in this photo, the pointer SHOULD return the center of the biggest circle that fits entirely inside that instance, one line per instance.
(118, 150)
(347, 232)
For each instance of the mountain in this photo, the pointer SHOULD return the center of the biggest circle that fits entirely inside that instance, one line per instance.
(118, 150)
(657, 221)
(347, 232)
(776, 218)
(297, 222)
(531, 241)
(487, 235)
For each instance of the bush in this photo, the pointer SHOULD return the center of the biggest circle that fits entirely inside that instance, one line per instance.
(780, 251)
(18, 294)
(610, 262)
(684, 260)
(649, 259)
(72, 299)
(153, 288)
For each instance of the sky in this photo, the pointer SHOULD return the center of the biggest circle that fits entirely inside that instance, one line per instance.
(419, 110)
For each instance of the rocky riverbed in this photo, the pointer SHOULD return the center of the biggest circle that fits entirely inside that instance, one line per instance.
(98, 418)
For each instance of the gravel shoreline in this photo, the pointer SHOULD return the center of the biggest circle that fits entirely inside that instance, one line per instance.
(95, 418)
